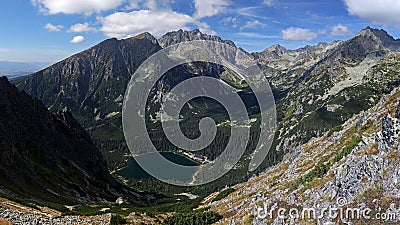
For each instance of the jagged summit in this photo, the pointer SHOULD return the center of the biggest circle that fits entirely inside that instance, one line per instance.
(380, 34)
(279, 49)
(179, 36)
(144, 35)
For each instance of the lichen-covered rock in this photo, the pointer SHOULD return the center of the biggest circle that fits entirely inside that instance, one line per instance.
(390, 129)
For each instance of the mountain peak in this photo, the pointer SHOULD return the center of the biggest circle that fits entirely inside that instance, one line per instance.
(387, 41)
(143, 36)
(179, 36)
(276, 49)
(366, 32)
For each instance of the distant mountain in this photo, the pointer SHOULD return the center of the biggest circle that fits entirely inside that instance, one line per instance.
(348, 77)
(49, 157)
(17, 69)
(176, 37)
(283, 67)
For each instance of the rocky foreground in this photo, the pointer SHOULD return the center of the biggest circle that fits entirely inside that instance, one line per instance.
(29, 216)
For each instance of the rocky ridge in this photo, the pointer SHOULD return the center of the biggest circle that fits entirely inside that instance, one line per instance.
(176, 37)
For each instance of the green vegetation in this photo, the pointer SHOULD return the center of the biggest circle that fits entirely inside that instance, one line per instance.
(117, 219)
(347, 150)
(335, 129)
(35, 204)
(195, 218)
(223, 194)
(318, 171)
(160, 205)
(289, 112)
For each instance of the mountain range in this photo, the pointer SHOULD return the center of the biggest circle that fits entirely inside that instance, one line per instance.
(316, 87)
(17, 69)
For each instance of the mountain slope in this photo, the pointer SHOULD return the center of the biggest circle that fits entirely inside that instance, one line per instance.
(357, 162)
(49, 157)
(92, 85)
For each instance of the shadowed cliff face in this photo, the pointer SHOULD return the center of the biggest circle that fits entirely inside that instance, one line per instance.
(47, 156)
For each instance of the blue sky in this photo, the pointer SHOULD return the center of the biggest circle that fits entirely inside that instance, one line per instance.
(51, 30)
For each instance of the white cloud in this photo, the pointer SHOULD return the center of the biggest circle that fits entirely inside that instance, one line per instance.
(80, 28)
(208, 8)
(127, 24)
(249, 12)
(298, 34)
(253, 24)
(77, 39)
(53, 28)
(322, 32)
(268, 2)
(230, 20)
(340, 30)
(132, 6)
(384, 12)
(86, 7)
(205, 28)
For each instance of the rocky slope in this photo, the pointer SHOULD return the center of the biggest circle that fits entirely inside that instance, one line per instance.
(49, 157)
(349, 77)
(283, 67)
(354, 166)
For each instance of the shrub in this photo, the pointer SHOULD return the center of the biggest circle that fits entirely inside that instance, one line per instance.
(318, 171)
(195, 218)
(223, 194)
(335, 129)
(117, 219)
(347, 150)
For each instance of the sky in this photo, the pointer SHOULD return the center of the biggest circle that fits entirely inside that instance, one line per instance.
(51, 30)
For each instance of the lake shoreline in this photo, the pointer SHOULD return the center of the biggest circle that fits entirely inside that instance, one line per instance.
(133, 171)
